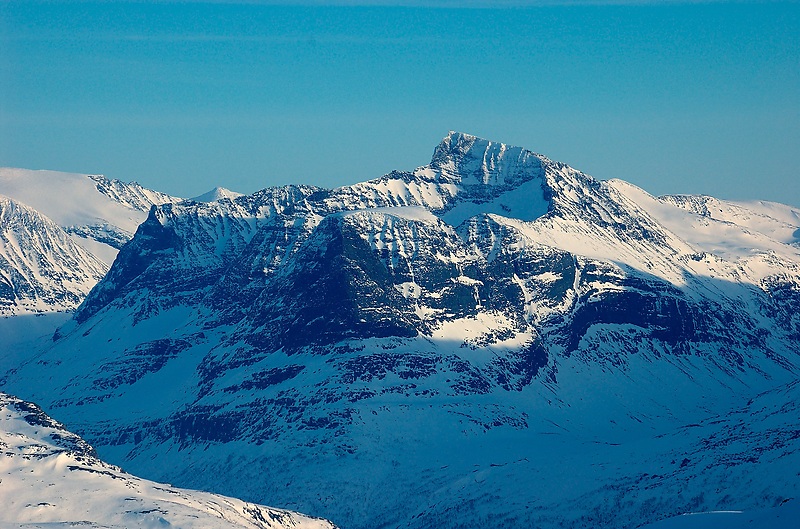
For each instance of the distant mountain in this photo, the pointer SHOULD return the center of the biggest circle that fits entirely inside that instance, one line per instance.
(60, 233)
(100, 214)
(218, 193)
(41, 268)
(50, 477)
(492, 339)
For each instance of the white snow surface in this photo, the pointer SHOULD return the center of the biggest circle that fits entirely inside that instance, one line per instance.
(727, 229)
(777, 221)
(784, 516)
(218, 193)
(80, 202)
(51, 478)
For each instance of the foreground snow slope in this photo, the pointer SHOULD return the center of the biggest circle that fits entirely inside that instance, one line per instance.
(50, 477)
(781, 517)
(494, 338)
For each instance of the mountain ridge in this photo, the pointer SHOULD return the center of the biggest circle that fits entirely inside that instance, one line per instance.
(88, 218)
(426, 341)
(100, 213)
(41, 268)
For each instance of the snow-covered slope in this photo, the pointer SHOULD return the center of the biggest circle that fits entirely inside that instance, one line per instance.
(785, 515)
(100, 214)
(50, 477)
(41, 268)
(494, 338)
(61, 232)
(776, 221)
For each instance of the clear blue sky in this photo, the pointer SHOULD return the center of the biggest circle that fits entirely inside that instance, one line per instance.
(182, 96)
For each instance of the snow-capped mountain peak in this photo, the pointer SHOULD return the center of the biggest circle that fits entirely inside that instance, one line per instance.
(469, 160)
(494, 338)
(41, 268)
(218, 193)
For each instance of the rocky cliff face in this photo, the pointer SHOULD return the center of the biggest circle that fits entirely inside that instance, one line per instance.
(492, 338)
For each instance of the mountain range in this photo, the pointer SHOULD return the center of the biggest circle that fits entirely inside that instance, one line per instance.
(60, 233)
(494, 338)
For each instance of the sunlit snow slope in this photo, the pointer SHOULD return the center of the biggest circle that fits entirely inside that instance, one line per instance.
(50, 477)
(100, 214)
(785, 515)
(60, 233)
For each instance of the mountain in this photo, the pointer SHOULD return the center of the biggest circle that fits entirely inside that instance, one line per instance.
(494, 338)
(52, 478)
(41, 268)
(100, 214)
(218, 193)
(60, 234)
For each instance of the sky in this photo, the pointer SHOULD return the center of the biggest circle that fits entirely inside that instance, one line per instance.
(181, 96)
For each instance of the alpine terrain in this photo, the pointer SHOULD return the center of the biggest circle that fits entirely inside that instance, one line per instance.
(50, 477)
(59, 233)
(493, 339)
(41, 268)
